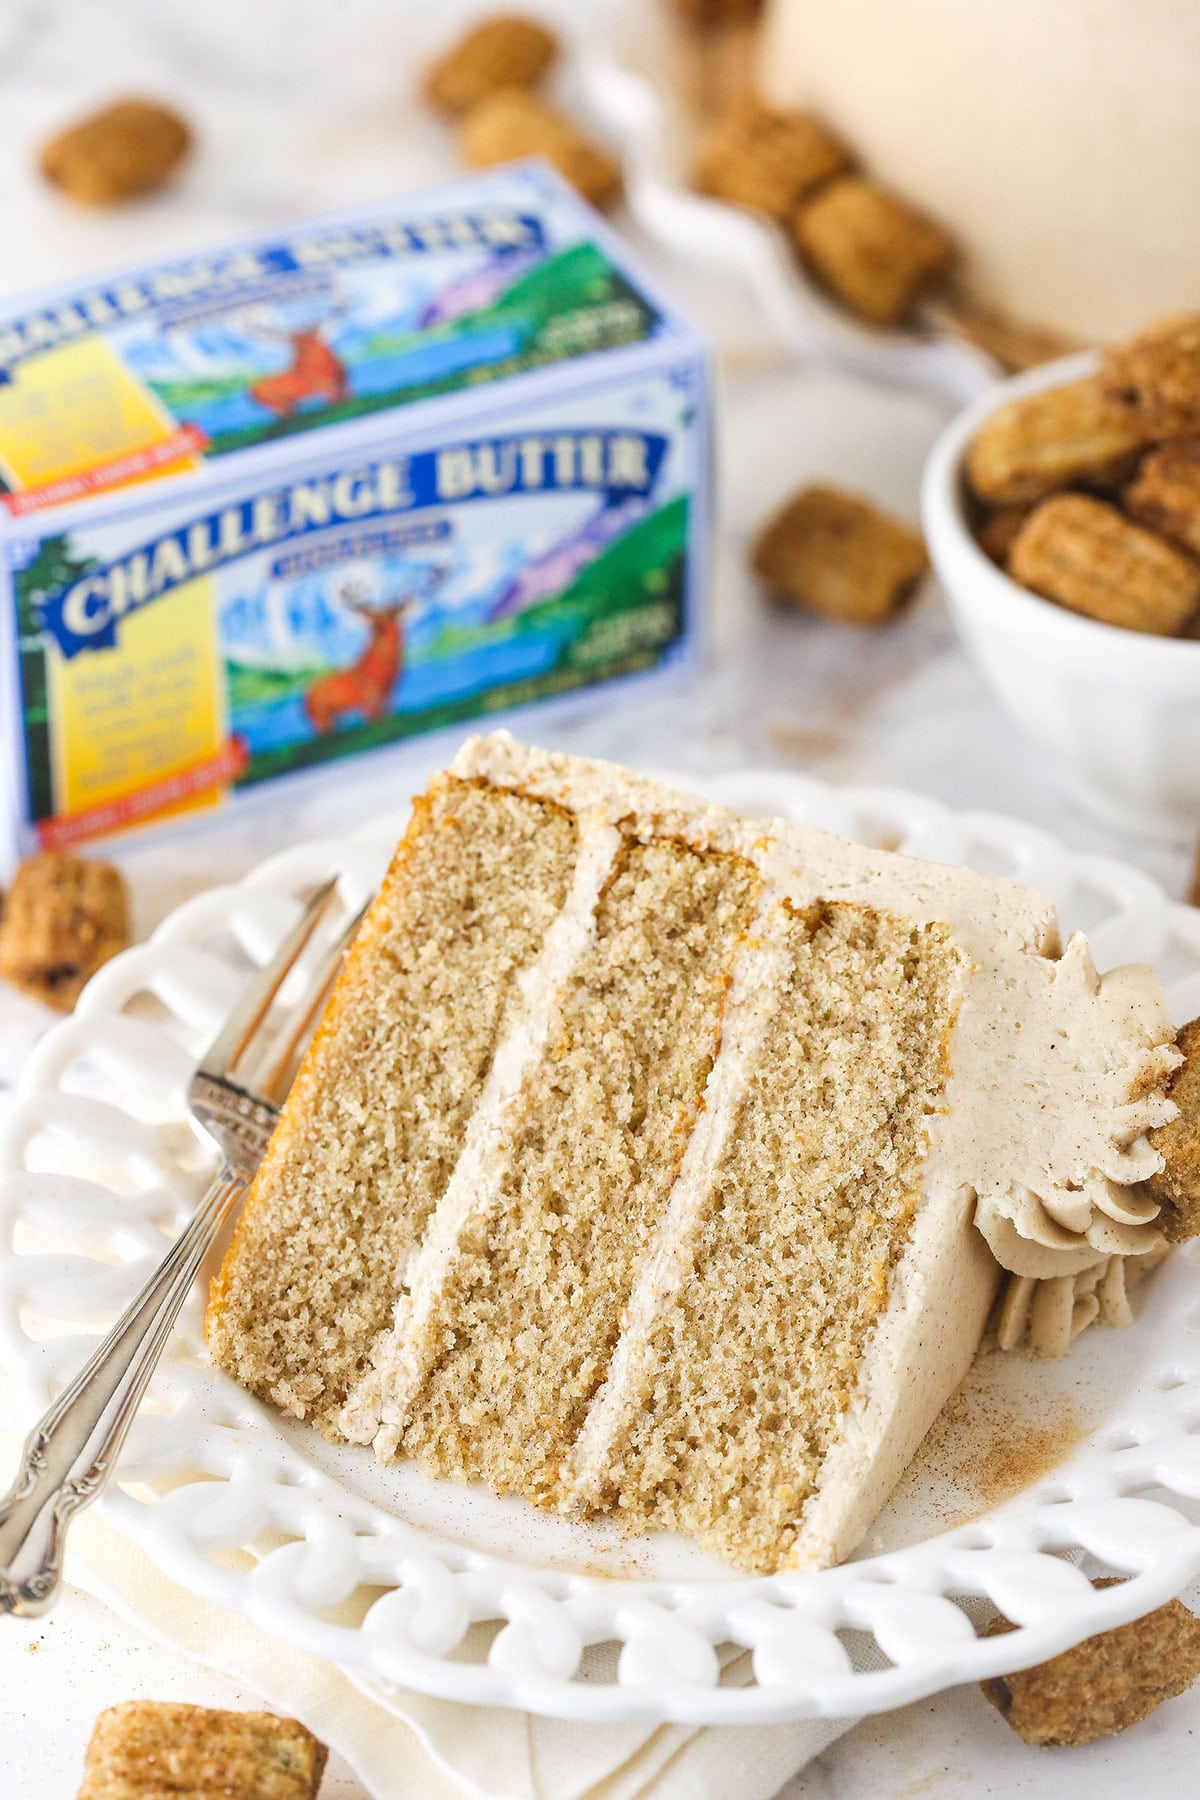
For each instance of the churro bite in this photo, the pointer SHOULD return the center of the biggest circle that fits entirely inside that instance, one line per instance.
(1104, 1685)
(515, 123)
(152, 1749)
(1155, 377)
(840, 555)
(874, 252)
(1165, 492)
(1049, 440)
(1082, 553)
(63, 918)
(1176, 1188)
(1085, 555)
(504, 51)
(119, 153)
(756, 156)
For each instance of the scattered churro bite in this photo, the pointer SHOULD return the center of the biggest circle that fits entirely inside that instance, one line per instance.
(1176, 1187)
(841, 555)
(1165, 492)
(149, 1749)
(504, 51)
(515, 123)
(1046, 441)
(119, 153)
(1084, 554)
(63, 918)
(1155, 376)
(1104, 1685)
(755, 156)
(877, 254)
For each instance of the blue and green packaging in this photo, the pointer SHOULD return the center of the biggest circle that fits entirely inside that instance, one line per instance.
(314, 494)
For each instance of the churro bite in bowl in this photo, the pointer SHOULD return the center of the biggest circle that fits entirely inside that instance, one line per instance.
(1062, 514)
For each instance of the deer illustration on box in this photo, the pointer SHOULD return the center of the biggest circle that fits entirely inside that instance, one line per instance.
(316, 372)
(367, 685)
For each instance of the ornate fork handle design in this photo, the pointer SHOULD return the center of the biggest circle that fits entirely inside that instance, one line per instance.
(69, 1454)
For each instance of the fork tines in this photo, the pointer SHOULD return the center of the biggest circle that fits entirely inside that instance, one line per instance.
(226, 1058)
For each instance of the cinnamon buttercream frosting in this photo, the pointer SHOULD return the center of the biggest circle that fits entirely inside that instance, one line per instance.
(1058, 1073)
(1032, 1166)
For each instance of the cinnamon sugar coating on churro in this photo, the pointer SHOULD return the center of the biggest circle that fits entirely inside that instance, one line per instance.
(1049, 440)
(874, 252)
(1085, 555)
(63, 918)
(514, 124)
(504, 51)
(1165, 492)
(840, 555)
(1176, 1187)
(1104, 1685)
(1155, 377)
(152, 1749)
(756, 156)
(123, 151)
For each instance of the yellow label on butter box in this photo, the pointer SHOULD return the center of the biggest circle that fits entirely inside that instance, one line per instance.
(128, 724)
(76, 415)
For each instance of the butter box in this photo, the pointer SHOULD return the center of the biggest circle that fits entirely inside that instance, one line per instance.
(316, 493)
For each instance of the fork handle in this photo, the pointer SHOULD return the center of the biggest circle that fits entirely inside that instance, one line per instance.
(69, 1454)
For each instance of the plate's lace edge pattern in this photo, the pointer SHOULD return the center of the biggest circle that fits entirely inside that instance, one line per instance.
(226, 1506)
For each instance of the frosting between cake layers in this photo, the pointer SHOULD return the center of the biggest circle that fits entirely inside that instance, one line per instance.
(747, 1015)
(1055, 1077)
(376, 1408)
(1052, 1140)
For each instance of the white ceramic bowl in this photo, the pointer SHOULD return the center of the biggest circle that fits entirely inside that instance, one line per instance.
(1119, 710)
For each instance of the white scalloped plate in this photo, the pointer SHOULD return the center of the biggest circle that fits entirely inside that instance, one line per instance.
(417, 1584)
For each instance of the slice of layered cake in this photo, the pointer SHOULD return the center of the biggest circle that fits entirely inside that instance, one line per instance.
(660, 1163)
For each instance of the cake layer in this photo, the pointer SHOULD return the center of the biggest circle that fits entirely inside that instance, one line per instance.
(648, 1157)
(530, 1302)
(377, 1117)
(748, 1334)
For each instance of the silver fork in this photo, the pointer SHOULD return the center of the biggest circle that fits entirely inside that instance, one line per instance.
(235, 1095)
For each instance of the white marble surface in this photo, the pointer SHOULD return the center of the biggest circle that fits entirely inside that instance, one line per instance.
(304, 105)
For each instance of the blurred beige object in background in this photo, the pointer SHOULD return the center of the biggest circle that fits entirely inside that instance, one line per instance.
(1058, 139)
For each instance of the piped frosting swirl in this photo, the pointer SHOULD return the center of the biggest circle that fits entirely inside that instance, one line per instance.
(1094, 1076)
(1057, 1074)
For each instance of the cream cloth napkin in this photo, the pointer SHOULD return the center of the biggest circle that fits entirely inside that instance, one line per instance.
(404, 1746)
